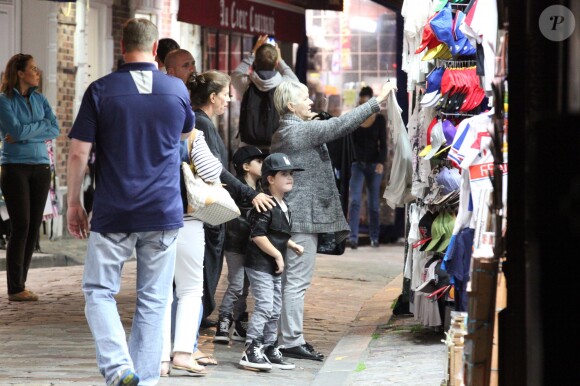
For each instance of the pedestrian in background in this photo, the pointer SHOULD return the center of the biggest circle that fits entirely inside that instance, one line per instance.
(370, 145)
(232, 312)
(256, 78)
(137, 117)
(265, 257)
(26, 123)
(165, 46)
(315, 200)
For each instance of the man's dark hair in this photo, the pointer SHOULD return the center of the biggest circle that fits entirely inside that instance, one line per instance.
(266, 58)
(165, 46)
(366, 91)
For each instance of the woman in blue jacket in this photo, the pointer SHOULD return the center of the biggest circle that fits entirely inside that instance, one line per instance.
(26, 123)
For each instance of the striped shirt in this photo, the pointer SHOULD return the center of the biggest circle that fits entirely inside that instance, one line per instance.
(207, 166)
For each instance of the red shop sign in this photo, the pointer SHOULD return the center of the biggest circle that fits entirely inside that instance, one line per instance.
(284, 22)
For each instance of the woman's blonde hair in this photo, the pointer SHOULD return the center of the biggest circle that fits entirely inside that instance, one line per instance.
(287, 92)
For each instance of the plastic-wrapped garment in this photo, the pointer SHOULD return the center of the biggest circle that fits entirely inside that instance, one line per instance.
(398, 191)
(414, 236)
(417, 129)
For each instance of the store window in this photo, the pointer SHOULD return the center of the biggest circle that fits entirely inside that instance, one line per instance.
(350, 49)
(223, 51)
(152, 17)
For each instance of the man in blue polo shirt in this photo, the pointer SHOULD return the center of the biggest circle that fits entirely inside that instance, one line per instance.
(136, 116)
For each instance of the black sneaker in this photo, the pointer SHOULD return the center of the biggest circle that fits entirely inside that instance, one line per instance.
(304, 351)
(254, 358)
(276, 359)
(240, 328)
(222, 334)
(312, 350)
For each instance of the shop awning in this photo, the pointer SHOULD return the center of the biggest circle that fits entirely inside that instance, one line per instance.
(330, 5)
(283, 21)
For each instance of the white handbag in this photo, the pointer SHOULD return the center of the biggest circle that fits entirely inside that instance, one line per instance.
(210, 203)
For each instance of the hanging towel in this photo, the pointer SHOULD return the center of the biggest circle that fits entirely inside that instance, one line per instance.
(398, 191)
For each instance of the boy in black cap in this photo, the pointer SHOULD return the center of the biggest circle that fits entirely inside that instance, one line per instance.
(248, 164)
(270, 238)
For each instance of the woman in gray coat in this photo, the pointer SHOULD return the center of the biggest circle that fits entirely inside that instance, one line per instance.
(315, 200)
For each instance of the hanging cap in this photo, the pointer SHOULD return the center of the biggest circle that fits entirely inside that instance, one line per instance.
(433, 86)
(437, 139)
(441, 52)
(428, 39)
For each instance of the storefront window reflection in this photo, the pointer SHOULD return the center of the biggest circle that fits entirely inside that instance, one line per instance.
(350, 49)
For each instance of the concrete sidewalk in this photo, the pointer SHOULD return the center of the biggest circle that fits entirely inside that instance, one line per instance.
(347, 316)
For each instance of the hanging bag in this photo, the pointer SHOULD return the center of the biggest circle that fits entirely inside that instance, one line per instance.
(327, 244)
(207, 202)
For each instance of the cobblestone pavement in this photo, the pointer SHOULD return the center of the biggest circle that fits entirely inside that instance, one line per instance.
(49, 343)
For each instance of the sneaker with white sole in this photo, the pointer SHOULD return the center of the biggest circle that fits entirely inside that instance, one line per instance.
(254, 358)
(276, 359)
(240, 328)
(222, 334)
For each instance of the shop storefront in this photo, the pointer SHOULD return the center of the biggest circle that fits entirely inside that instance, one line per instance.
(228, 30)
(456, 198)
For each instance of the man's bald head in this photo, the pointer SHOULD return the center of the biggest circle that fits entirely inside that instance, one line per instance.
(180, 63)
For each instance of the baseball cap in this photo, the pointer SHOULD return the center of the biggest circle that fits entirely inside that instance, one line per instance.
(433, 86)
(441, 232)
(435, 276)
(441, 52)
(448, 179)
(428, 39)
(246, 154)
(276, 162)
(462, 46)
(427, 148)
(424, 227)
(437, 139)
(449, 131)
(442, 24)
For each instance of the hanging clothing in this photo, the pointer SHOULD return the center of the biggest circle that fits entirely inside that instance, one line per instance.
(398, 191)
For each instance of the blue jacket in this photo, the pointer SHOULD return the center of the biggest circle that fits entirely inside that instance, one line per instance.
(29, 125)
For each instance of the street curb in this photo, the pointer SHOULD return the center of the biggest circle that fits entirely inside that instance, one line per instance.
(346, 355)
(46, 260)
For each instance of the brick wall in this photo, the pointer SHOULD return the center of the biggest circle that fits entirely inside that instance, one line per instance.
(165, 20)
(66, 73)
(121, 13)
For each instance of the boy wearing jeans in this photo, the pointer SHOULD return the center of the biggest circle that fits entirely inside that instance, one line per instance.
(270, 238)
(232, 312)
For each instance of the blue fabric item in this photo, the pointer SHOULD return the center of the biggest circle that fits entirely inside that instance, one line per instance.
(448, 179)
(442, 25)
(136, 117)
(461, 298)
(458, 258)
(364, 173)
(449, 131)
(448, 253)
(463, 46)
(434, 80)
(29, 125)
(444, 29)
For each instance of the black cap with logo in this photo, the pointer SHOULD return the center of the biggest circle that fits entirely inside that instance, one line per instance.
(276, 162)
